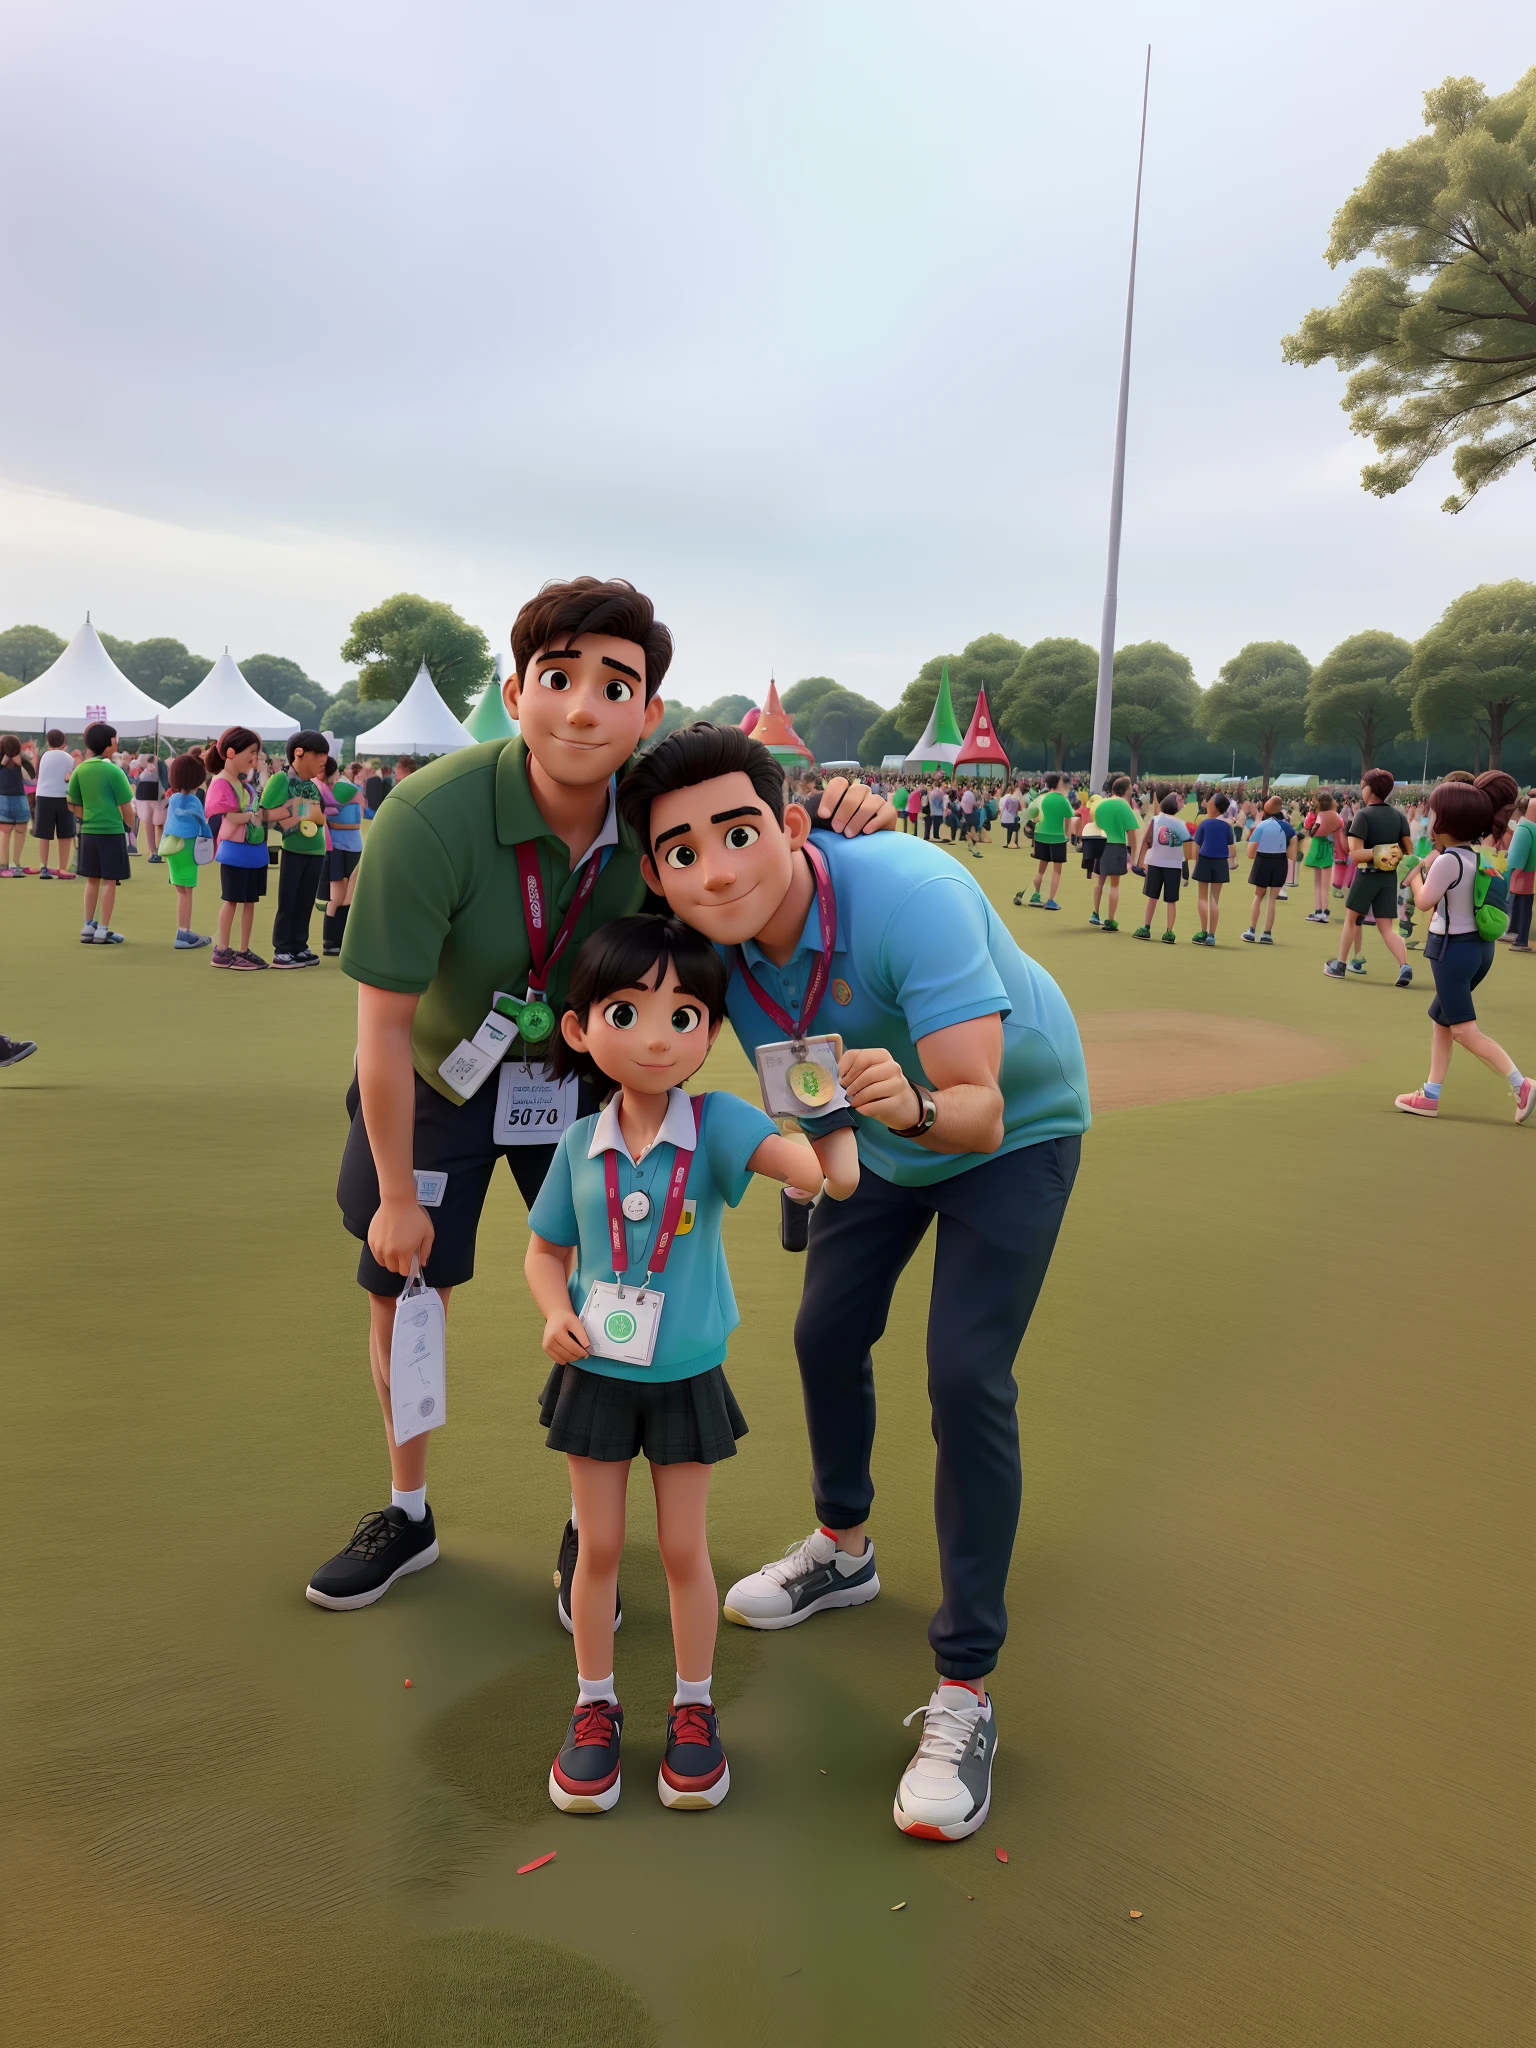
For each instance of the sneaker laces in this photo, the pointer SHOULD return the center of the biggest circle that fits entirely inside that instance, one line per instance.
(372, 1534)
(690, 1725)
(594, 1724)
(947, 1732)
(797, 1562)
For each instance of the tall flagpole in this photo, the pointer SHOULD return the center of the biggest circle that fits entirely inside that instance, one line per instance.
(1106, 691)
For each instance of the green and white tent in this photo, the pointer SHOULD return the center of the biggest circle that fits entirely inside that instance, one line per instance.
(942, 740)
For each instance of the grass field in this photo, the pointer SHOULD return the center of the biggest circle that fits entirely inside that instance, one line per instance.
(1269, 1676)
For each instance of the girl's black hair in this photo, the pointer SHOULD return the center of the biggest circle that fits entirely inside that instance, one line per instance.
(627, 954)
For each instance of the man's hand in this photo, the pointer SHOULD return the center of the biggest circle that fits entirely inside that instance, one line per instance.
(565, 1338)
(878, 1088)
(399, 1232)
(852, 809)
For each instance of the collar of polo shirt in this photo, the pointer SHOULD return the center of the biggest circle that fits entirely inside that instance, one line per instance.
(676, 1127)
(518, 817)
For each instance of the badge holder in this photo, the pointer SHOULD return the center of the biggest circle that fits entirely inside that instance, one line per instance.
(621, 1322)
(798, 1076)
(418, 1371)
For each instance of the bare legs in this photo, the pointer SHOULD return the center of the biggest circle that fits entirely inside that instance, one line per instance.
(1209, 898)
(1478, 1043)
(101, 896)
(227, 920)
(599, 1489)
(1258, 905)
(1389, 937)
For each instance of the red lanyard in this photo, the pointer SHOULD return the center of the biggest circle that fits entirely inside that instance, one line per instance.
(821, 967)
(671, 1210)
(533, 912)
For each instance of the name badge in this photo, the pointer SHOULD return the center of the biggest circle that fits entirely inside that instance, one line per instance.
(798, 1077)
(418, 1376)
(531, 1108)
(473, 1059)
(430, 1187)
(621, 1323)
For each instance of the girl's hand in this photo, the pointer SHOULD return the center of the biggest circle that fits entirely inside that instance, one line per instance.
(565, 1338)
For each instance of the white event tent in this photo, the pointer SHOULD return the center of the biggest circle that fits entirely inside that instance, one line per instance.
(420, 723)
(83, 686)
(222, 699)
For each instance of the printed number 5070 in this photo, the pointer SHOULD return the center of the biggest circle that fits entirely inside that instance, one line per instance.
(527, 1119)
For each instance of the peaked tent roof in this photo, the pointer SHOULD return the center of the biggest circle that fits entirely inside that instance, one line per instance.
(420, 723)
(941, 740)
(774, 730)
(488, 718)
(83, 685)
(982, 745)
(222, 699)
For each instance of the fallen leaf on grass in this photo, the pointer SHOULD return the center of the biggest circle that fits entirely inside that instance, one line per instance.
(538, 1863)
(1002, 1855)
(901, 1908)
(1135, 1912)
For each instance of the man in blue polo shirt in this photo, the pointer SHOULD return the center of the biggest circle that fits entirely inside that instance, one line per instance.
(965, 1075)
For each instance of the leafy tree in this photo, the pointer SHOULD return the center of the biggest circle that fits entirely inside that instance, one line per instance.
(730, 710)
(8, 683)
(884, 737)
(1042, 700)
(1478, 666)
(345, 714)
(160, 666)
(802, 695)
(1357, 695)
(835, 724)
(673, 715)
(1156, 695)
(283, 683)
(1440, 331)
(1259, 700)
(25, 651)
(393, 640)
(986, 664)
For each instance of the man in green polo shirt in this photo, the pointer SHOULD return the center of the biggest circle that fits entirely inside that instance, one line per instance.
(1052, 813)
(1117, 821)
(293, 793)
(481, 877)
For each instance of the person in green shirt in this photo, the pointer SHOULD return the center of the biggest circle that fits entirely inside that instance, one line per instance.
(1117, 821)
(1521, 871)
(292, 794)
(101, 797)
(1052, 813)
(483, 874)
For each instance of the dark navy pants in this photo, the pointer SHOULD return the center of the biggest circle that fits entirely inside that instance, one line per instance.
(997, 1226)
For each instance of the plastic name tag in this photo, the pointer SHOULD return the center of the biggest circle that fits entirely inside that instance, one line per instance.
(798, 1076)
(472, 1059)
(418, 1368)
(531, 1108)
(621, 1323)
(430, 1187)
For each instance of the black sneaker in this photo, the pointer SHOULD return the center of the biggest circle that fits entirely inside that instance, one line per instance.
(331, 952)
(14, 1049)
(1404, 978)
(565, 1575)
(694, 1771)
(584, 1777)
(385, 1546)
(305, 958)
(284, 960)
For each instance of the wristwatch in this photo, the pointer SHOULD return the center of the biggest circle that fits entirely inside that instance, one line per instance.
(928, 1113)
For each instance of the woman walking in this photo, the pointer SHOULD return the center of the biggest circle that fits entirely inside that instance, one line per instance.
(1322, 823)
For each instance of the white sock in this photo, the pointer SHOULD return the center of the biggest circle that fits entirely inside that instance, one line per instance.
(88, 926)
(574, 1523)
(596, 1689)
(692, 1692)
(413, 1500)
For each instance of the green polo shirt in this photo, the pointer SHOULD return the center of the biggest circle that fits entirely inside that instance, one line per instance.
(99, 786)
(438, 908)
(279, 788)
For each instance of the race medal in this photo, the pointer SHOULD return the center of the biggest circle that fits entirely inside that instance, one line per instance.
(809, 1084)
(308, 827)
(636, 1205)
(536, 1021)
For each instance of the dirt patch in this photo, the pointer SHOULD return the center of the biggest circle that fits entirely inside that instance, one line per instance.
(1137, 1057)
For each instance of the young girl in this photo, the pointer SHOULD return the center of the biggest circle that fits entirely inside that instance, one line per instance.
(344, 849)
(1213, 867)
(1465, 813)
(1267, 842)
(638, 1193)
(1322, 824)
(15, 813)
(185, 824)
(242, 844)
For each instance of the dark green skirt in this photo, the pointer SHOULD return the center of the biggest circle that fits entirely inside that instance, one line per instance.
(672, 1422)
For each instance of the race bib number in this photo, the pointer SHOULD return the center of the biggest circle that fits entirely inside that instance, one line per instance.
(418, 1368)
(531, 1108)
(621, 1324)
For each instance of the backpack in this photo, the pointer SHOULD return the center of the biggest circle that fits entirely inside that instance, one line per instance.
(1490, 899)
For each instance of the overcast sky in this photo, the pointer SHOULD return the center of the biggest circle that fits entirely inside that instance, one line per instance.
(805, 317)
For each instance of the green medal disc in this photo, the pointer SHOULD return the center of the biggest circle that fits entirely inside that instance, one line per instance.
(537, 1021)
(619, 1326)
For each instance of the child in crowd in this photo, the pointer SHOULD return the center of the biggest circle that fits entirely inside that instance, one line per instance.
(1269, 843)
(15, 813)
(1009, 810)
(1459, 955)
(1162, 857)
(149, 804)
(185, 824)
(1213, 866)
(241, 850)
(54, 819)
(344, 849)
(1116, 821)
(1520, 870)
(101, 798)
(292, 800)
(1323, 822)
(638, 1193)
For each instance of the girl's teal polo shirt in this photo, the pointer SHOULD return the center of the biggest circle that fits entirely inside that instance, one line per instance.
(572, 1209)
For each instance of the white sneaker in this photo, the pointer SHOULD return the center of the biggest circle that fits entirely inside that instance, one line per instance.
(808, 1577)
(946, 1791)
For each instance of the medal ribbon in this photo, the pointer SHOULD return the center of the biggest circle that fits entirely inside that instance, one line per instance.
(671, 1210)
(821, 967)
(542, 955)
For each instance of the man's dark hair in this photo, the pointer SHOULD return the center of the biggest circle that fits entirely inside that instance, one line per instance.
(1380, 782)
(698, 753)
(1051, 779)
(98, 737)
(54, 737)
(311, 742)
(1222, 802)
(588, 604)
(635, 952)
(1119, 785)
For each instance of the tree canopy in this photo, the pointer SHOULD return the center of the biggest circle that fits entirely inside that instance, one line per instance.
(25, 651)
(884, 737)
(985, 664)
(1042, 699)
(283, 683)
(345, 714)
(1358, 696)
(1477, 666)
(802, 695)
(727, 710)
(835, 724)
(1156, 696)
(1259, 700)
(161, 667)
(391, 641)
(8, 683)
(1439, 332)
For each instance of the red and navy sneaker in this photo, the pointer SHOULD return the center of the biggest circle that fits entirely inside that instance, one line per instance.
(694, 1771)
(584, 1777)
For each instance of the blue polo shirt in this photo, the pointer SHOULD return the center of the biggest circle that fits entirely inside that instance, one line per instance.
(572, 1209)
(919, 947)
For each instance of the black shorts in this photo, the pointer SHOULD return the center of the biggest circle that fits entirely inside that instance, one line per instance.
(1051, 850)
(1375, 890)
(673, 1422)
(454, 1139)
(1269, 870)
(104, 856)
(1115, 860)
(1210, 870)
(340, 864)
(1164, 882)
(1458, 965)
(1093, 847)
(241, 885)
(55, 820)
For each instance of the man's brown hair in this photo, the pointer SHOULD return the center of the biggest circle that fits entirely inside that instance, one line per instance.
(1380, 782)
(587, 604)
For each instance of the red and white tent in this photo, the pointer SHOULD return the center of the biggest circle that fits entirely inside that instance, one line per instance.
(981, 748)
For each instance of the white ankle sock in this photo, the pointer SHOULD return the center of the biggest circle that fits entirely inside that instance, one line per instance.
(596, 1689)
(414, 1501)
(692, 1692)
